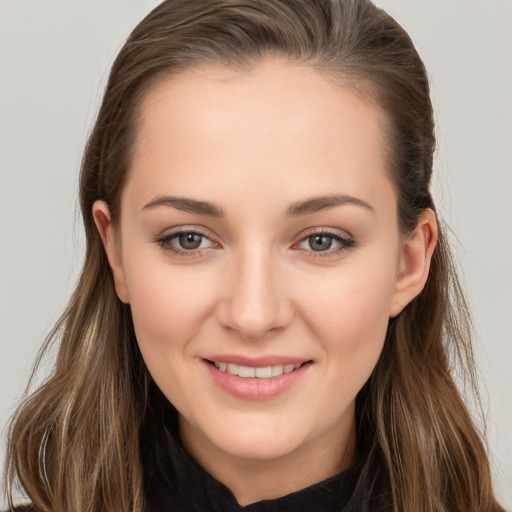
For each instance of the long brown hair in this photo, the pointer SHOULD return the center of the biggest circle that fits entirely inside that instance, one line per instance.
(89, 413)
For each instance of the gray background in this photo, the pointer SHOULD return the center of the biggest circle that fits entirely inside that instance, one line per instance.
(54, 59)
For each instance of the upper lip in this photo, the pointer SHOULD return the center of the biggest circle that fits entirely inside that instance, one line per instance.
(256, 362)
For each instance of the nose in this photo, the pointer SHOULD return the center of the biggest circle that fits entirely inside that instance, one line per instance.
(255, 302)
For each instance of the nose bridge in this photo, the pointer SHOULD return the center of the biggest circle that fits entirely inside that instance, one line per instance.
(255, 303)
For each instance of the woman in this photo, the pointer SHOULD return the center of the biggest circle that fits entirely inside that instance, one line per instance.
(268, 304)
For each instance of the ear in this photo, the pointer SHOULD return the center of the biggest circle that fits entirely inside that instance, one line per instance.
(103, 221)
(415, 258)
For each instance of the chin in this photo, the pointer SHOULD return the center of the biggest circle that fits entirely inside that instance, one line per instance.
(257, 440)
(258, 449)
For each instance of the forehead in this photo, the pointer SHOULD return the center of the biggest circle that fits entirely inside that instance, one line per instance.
(276, 122)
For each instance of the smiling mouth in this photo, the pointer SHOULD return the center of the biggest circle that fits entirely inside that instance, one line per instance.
(263, 372)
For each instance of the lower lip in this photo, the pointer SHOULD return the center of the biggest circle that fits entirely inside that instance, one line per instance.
(253, 388)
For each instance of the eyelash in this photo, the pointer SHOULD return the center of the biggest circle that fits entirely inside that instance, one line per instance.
(165, 243)
(345, 243)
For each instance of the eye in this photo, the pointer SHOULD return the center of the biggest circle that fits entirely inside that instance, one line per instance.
(189, 241)
(185, 243)
(320, 242)
(325, 243)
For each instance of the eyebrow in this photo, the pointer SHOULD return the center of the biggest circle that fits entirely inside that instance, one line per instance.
(304, 207)
(187, 204)
(316, 204)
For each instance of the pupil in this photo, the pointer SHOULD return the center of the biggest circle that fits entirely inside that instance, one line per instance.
(320, 242)
(190, 240)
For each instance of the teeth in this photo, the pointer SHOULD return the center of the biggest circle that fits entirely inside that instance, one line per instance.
(232, 369)
(246, 371)
(265, 372)
(289, 368)
(277, 370)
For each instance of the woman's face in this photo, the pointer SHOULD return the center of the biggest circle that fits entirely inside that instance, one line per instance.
(259, 250)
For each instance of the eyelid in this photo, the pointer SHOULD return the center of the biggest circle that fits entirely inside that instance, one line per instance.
(321, 230)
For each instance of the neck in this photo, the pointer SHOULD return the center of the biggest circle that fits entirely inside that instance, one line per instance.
(252, 480)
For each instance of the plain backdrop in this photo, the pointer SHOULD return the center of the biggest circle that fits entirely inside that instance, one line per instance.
(54, 60)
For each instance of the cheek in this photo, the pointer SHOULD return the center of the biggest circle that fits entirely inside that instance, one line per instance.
(349, 314)
(353, 332)
(352, 296)
(168, 304)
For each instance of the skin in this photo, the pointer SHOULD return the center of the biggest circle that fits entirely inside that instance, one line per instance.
(254, 144)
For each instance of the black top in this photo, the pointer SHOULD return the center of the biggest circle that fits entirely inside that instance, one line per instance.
(175, 482)
(184, 486)
(189, 488)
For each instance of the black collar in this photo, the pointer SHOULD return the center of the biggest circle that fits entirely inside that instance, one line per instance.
(175, 482)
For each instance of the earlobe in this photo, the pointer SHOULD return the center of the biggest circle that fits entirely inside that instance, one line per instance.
(415, 258)
(103, 221)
